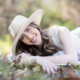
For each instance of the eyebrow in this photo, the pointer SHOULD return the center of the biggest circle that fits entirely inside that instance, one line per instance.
(27, 27)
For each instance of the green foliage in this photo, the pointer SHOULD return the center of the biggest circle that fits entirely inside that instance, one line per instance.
(51, 16)
(1, 2)
(67, 72)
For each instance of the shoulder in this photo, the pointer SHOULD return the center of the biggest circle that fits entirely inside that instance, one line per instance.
(59, 28)
(53, 29)
(53, 32)
(62, 28)
(58, 33)
(56, 29)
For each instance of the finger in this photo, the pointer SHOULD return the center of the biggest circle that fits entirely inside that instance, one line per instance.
(58, 67)
(20, 63)
(17, 56)
(47, 68)
(19, 59)
(55, 67)
(44, 67)
(51, 69)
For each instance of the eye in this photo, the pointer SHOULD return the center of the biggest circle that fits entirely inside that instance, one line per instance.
(22, 37)
(28, 29)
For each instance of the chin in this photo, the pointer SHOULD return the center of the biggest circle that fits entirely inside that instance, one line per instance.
(37, 44)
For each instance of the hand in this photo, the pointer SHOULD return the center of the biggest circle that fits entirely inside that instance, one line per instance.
(47, 66)
(23, 55)
(23, 58)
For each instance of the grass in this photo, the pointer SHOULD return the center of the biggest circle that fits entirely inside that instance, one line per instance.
(68, 72)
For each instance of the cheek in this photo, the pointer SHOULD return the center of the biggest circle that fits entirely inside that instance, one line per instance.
(24, 41)
(39, 34)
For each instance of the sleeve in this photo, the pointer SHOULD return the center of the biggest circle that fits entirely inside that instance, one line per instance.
(54, 35)
(76, 31)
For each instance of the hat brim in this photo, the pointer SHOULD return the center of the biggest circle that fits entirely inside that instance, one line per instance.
(36, 18)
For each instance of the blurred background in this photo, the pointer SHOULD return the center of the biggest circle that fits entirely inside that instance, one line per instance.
(59, 12)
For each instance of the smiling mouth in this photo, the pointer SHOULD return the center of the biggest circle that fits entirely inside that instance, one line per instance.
(34, 39)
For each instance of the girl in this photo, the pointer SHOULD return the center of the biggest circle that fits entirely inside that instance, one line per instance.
(42, 46)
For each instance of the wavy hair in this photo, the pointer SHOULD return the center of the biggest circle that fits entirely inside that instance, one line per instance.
(32, 49)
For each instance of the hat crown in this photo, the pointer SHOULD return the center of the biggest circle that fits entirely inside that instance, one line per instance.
(16, 24)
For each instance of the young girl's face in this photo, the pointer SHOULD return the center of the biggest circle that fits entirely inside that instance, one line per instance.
(31, 36)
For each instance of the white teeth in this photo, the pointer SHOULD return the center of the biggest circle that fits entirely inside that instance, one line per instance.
(34, 39)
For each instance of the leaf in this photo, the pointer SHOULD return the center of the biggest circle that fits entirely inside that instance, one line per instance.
(5, 59)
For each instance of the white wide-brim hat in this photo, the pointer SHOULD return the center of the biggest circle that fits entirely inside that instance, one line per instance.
(20, 23)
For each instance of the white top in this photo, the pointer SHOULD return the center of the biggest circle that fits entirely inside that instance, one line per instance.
(75, 34)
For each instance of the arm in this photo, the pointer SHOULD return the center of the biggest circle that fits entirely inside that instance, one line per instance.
(69, 48)
(47, 66)
(26, 57)
(62, 59)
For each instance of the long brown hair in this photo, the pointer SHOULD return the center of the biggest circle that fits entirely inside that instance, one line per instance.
(45, 49)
